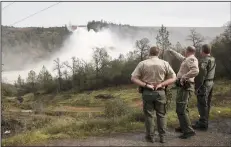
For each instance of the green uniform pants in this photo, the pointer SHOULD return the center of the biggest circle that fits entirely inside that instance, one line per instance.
(203, 103)
(154, 100)
(182, 100)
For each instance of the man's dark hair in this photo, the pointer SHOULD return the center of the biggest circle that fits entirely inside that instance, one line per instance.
(191, 49)
(206, 49)
(154, 51)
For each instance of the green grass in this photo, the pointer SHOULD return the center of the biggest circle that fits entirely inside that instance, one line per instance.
(87, 99)
(23, 139)
(71, 128)
(82, 124)
(222, 87)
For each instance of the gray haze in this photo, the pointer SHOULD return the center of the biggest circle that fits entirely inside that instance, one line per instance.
(178, 14)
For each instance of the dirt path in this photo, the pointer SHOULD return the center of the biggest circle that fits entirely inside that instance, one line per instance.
(219, 134)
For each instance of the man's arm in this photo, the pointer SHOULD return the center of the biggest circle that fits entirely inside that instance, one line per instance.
(136, 77)
(194, 69)
(138, 82)
(177, 55)
(136, 74)
(170, 76)
(168, 82)
(202, 74)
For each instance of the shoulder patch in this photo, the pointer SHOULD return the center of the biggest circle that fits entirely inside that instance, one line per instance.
(203, 65)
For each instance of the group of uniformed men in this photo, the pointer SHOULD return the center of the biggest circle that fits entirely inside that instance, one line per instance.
(154, 74)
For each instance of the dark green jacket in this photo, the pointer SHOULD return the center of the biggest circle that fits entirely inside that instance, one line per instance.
(207, 67)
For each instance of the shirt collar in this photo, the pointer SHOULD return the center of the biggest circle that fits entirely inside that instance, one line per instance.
(151, 57)
(191, 55)
(207, 55)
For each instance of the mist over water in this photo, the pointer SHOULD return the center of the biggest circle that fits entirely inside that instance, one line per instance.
(80, 44)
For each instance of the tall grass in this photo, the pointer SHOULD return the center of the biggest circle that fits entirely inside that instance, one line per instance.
(117, 115)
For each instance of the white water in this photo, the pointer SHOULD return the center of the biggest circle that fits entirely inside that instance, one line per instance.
(80, 44)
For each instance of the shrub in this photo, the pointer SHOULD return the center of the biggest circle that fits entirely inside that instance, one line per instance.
(115, 108)
(8, 90)
(38, 107)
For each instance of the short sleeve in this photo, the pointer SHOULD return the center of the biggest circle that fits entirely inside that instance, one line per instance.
(192, 63)
(203, 71)
(169, 71)
(138, 70)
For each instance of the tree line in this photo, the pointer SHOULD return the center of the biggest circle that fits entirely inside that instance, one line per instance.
(103, 71)
(45, 38)
(98, 25)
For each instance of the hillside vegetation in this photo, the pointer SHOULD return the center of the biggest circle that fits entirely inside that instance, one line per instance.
(32, 44)
(69, 115)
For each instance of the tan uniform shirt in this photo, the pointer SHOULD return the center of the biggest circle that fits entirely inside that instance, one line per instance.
(189, 67)
(153, 70)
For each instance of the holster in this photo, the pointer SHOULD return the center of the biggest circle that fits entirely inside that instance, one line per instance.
(177, 83)
(186, 84)
(140, 89)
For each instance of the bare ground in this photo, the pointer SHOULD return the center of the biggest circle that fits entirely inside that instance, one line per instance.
(219, 134)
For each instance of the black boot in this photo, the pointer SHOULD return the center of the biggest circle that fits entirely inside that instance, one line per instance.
(162, 140)
(149, 139)
(197, 126)
(187, 135)
(178, 130)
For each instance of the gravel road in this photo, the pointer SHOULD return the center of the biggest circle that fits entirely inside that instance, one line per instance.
(219, 134)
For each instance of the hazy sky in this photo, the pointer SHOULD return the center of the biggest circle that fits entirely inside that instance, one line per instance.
(196, 14)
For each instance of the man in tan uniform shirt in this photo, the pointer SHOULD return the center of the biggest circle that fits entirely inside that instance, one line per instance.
(153, 75)
(188, 71)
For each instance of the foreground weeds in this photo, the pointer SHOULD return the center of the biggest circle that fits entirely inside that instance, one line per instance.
(71, 128)
(116, 115)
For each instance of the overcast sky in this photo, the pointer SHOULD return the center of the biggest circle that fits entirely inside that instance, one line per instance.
(196, 14)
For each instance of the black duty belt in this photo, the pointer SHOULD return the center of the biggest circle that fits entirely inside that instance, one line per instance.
(159, 89)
